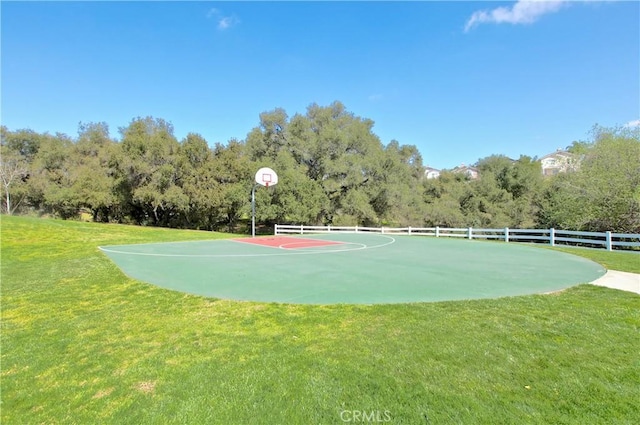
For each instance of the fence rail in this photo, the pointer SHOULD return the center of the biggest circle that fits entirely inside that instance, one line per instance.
(607, 240)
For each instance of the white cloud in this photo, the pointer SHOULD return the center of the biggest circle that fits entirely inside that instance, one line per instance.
(631, 124)
(224, 22)
(522, 12)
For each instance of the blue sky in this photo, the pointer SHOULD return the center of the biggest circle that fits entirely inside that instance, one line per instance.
(460, 80)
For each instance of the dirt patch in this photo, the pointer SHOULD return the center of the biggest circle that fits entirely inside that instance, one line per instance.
(103, 393)
(146, 387)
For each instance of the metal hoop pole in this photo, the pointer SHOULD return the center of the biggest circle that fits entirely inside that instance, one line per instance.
(253, 211)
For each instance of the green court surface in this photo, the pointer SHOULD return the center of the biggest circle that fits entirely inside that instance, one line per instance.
(359, 268)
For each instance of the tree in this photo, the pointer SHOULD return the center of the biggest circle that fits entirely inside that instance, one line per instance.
(395, 193)
(13, 170)
(198, 182)
(94, 172)
(24, 142)
(266, 140)
(150, 173)
(579, 148)
(342, 154)
(510, 189)
(51, 177)
(17, 151)
(442, 197)
(296, 198)
(333, 170)
(234, 173)
(604, 194)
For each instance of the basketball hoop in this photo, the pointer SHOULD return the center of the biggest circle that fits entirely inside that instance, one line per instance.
(264, 177)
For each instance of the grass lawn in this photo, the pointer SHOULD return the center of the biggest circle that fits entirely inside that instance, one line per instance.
(623, 261)
(82, 343)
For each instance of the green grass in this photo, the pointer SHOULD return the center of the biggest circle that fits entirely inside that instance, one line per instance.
(82, 343)
(628, 261)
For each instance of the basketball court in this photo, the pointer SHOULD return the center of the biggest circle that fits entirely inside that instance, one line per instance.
(355, 268)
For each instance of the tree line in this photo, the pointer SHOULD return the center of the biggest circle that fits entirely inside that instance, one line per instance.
(332, 169)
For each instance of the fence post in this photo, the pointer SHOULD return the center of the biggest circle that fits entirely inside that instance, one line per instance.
(552, 237)
(469, 233)
(275, 230)
(382, 230)
(609, 244)
(506, 234)
(409, 229)
(329, 228)
(356, 228)
(301, 230)
(437, 231)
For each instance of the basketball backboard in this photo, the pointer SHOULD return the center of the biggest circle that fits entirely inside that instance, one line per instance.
(266, 177)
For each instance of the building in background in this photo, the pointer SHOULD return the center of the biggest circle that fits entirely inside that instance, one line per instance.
(558, 162)
(431, 173)
(471, 172)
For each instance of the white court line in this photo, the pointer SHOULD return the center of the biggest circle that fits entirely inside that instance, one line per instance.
(290, 251)
(311, 248)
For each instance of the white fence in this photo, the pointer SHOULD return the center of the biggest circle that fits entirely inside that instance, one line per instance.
(606, 240)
